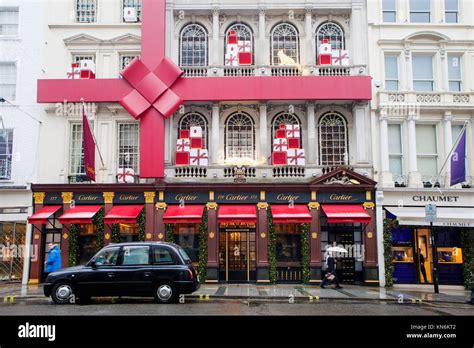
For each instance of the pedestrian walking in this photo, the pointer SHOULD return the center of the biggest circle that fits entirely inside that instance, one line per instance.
(331, 274)
(422, 265)
(53, 263)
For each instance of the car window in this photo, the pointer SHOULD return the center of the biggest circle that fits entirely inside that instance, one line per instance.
(136, 255)
(184, 255)
(162, 255)
(107, 257)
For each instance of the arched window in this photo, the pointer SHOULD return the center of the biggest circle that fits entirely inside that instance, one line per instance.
(193, 46)
(244, 33)
(333, 32)
(239, 136)
(286, 118)
(285, 45)
(194, 119)
(332, 140)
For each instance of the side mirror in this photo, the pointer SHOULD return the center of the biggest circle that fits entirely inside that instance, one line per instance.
(93, 264)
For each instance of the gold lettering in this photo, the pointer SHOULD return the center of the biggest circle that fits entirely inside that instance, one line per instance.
(187, 197)
(128, 197)
(88, 198)
(341, 197)
(284, 197)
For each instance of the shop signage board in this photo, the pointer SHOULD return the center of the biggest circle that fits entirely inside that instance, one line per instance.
(129, 198)
(341, 197)
(288, 197)
(237, 197)
(88, 198)
(183, 197)
(53, 198)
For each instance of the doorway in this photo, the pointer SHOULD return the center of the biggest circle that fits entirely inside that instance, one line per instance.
(237, 255)
(423, 254)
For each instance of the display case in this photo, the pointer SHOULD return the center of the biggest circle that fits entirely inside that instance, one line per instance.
(402, 254)
(450, 255)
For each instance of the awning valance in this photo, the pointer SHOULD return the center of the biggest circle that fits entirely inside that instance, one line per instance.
(79, 214)
(237, 213)
(284, 213)
(41, 216)
(345, 213)
(187, 213)
(461, 217)
(123, 214)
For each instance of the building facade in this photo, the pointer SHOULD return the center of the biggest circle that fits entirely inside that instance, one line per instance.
(247, 214)
(422, 60)
(21, 42)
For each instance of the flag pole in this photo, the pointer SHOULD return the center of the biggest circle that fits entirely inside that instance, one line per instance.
(448, 157)
(93, 135)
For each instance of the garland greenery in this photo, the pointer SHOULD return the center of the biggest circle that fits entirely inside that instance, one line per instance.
(141, 220)
(202, 266)
(169, 229)
(98, 221)
(467, 245)
(305, 263)
(272, 261)
(115, 237)
(388, 226)
(73, 245)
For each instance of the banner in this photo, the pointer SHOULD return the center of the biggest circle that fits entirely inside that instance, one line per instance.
(458, 161)
(89, 147)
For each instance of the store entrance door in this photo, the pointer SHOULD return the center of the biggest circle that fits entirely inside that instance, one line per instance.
(237, 255)
(423, 254)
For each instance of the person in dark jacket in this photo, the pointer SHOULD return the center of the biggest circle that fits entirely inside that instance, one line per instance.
(53, 263)
(422, 265)
(330, 271)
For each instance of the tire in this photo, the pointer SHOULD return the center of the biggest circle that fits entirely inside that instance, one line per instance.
(166, 292)
(62, 293)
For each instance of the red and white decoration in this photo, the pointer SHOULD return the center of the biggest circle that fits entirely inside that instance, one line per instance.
(325, 53)
(190, 148)
(126, 175)
(238, 52)
(340, 57)
(84, 70)
(287, 147)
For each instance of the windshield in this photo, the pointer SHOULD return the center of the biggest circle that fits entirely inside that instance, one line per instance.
(184, 255)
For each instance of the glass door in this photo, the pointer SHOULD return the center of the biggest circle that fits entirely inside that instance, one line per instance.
(423, 254)
(237, 255)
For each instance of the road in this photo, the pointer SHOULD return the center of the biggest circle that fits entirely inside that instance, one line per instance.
(234, 307)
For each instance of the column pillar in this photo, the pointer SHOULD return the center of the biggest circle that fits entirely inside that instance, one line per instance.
(379, 229)
(358, 112)
(414, 177)
(263, 58)
(385, 175)
(215, 36)
(369, 240)
(67, 199)
(108, 204)
(311, 122)
(150, 216)
(444, 69)
(264, 153)
(212, 271)
(263, 275)
(315, 242)
(36, 253)
(448, 143)
(215, 134)
(408, 69)
(309, 58)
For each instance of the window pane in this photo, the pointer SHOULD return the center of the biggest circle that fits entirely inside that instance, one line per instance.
(426, 139)
(422, 67)
(427, 166)
(391, 85)
(394, 139)
(391, 67)
(454, 67)
(455, 130)
(388, 5)
(451, 5)
(107, 257)
(8, 74)
(6, 148)
(420, 5)
(455, 86)
(389, 17)
(129, 146)
(162, 255)
(139, 255)
(451, 17)
(9, 22)
(420, 17)
(395, 164)
(423, 86)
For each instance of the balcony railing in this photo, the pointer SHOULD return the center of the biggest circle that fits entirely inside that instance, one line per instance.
(190, 172)
(194, 71)
(435, 99)
(288, 172)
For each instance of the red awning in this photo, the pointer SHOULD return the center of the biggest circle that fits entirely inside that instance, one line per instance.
(80, 214)
(41, 216)
(123, 214)
(237, 213)
(298, 213)
(341, 213)
(187, 214)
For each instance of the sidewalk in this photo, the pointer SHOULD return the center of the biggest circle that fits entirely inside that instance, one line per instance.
(280, 292)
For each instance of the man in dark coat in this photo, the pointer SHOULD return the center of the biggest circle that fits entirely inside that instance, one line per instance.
(330, 270)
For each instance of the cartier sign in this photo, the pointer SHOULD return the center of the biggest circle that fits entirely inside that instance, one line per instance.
(288, 197)
(186, 197)
(129, 197)
(341, 197)
(89, 198)
(228, 197)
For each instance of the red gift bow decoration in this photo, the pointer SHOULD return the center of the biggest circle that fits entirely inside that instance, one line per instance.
(279, 147)
(339, 58)
(198, 157)
(243, 46)
(230, 60)
(181, 147)
(298, 155)
(151, 88)
(123, 175)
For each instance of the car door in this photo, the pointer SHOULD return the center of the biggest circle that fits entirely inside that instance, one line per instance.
(164, 264)
(134, 277)
(100, 279)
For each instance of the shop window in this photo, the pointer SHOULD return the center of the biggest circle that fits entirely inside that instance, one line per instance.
(332, 32)
(332, 140)
(128, 233)
(11, 265)
(195, 119)
(288, 243)
(107, 257)
(87, 242)
(187, 236)
(239, 137)
(193, 46)
(136, 255)
(285, 45)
